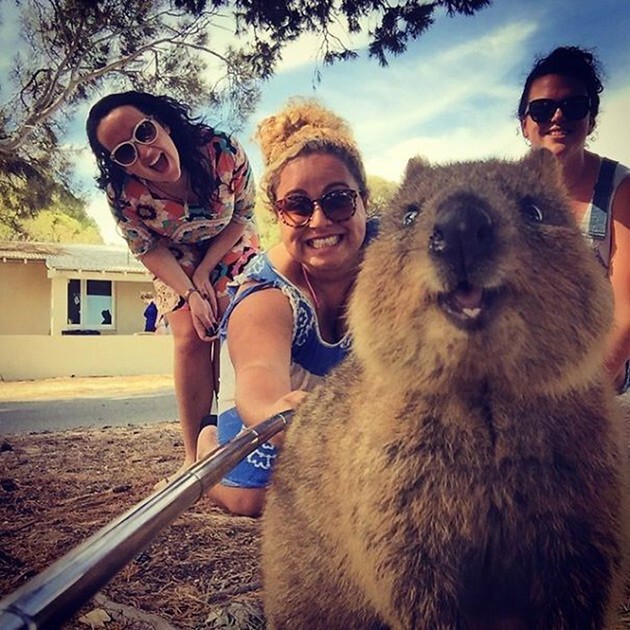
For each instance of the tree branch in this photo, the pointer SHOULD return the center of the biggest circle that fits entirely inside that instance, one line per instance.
(46, 105)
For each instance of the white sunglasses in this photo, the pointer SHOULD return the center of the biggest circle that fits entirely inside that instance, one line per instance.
(145, 132)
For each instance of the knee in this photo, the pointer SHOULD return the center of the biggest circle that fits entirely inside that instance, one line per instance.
(248, 505)
(188, 343)
(244, 501)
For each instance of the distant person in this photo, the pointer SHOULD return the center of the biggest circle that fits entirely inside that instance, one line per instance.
(182, 194)
(558, 110)
(107, 317)
(74, 308)
(286, 326)
(150, 313)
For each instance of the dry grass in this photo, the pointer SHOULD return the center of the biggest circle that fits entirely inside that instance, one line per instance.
(56, 489)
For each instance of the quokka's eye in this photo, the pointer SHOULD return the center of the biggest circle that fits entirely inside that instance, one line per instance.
(410, 215)
(532, 211)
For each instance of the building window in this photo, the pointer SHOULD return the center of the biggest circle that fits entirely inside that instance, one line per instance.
(90, 303)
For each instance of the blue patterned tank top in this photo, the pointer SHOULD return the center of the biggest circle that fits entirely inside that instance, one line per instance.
(311, 359)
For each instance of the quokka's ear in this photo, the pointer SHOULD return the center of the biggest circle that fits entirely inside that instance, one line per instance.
(415, 167)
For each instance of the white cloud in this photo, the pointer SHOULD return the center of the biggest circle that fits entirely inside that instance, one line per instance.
(309, 49)
(481, 141)
(422, 92)
(609, 138)
(496, 47)
(303, 51)
(85, 163)
(98, 209)
(456, 145)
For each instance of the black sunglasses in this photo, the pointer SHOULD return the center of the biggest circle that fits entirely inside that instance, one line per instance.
(125, 153)
(297, 210)
(542, 110)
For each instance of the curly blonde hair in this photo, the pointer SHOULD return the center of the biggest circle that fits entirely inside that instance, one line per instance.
(305, 127)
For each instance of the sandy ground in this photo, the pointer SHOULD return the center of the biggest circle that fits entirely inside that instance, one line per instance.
(58, 488)
(95, 386)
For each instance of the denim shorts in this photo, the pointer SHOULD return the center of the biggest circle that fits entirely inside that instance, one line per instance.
(255, 470)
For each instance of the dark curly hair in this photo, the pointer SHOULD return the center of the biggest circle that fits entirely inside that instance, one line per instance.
(189, 135)
(568, 61)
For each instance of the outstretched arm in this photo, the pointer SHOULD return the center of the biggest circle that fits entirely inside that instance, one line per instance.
(259, 337)
(618, 350)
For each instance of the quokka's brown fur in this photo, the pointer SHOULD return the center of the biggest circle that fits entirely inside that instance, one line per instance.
(463, 469)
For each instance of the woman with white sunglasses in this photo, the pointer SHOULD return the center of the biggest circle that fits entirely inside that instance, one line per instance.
(558, 111)
(182, 195)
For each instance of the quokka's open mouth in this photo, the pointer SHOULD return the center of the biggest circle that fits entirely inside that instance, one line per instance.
(468, 306)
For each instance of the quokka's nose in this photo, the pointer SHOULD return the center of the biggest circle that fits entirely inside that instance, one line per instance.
(463, 234)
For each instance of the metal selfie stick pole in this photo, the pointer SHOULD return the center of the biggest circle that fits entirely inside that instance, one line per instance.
(55, 594)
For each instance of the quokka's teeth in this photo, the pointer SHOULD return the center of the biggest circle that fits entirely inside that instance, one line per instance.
(471, 312)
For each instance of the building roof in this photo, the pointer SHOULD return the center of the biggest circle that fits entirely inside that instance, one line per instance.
(74, 257)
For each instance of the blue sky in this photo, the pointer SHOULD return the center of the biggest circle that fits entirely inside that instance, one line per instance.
(453, 94)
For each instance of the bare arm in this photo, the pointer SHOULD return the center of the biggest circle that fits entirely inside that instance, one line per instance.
(259, 335)
(618, 350)
(220, 245)
(162, 264)
(242, 184)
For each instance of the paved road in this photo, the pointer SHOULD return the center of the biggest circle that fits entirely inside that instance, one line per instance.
(54, 415)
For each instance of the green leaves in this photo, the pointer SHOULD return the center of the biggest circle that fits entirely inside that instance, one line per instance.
(204, 52)
(55, 226)
(33, 207)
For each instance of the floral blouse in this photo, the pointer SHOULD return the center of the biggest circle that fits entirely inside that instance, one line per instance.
(145, 221)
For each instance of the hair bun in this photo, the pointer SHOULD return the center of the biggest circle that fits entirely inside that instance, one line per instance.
(303, 120)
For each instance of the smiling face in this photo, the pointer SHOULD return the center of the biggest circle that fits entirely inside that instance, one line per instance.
(486, 258)
(158, 161)
(322, 245)
(560, 135)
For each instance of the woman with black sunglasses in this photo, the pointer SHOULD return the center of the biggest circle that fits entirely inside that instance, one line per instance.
(182, 195)
(558, 111)
(285, 328)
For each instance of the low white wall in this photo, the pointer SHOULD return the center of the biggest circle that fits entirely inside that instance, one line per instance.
(24, 357)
